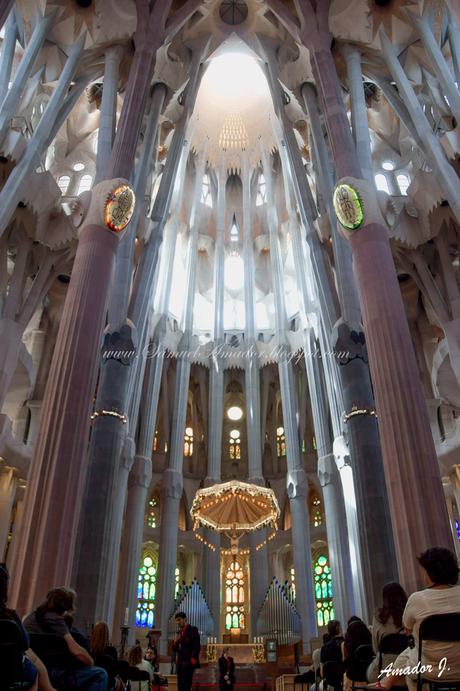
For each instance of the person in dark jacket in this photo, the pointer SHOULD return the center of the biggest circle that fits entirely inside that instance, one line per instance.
(226, 671)
(187, 648)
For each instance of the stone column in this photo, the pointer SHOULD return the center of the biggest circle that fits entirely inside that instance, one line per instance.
(439, 63)
(454, 42)
(131, 552)
(431, 145)
(14, 187)
(8, 486)
(11, 101)
(359, 121)
(408, 449)
(296, 477)
(212, 558)
(58, 472)
(352, 593)
(170, 503)
(258, 558)
(108, 113)
(19, 512)
(101, 523)
(6, 62)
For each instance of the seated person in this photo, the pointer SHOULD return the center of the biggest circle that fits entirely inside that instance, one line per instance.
(34, 671)
(441, 596)
(151, 655)
(356, 635)
(387, 620)
(136, 659)
(105, 655)
(49, 618)
(332, 650)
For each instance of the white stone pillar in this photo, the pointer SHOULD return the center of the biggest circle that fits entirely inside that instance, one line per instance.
(108, 113)
(359, 121)
(6, 62)
(8, 486)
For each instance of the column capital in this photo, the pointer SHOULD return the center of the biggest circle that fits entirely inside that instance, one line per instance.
(127, 454)
(341, 452)
(172, 484)
(296, 483)
(326, 469)
(141, 472)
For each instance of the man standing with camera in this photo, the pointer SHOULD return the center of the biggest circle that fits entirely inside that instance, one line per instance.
(187, 648)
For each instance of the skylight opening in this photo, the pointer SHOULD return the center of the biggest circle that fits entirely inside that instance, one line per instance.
(234, 272)
(234, 78)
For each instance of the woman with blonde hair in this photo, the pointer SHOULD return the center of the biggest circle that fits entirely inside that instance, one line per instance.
(105, 655)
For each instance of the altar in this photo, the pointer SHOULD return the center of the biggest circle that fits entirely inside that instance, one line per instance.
(242, 653)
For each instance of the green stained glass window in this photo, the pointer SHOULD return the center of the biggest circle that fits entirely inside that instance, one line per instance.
(323, 590)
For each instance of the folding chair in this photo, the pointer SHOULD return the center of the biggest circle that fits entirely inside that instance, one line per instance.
(444, 628)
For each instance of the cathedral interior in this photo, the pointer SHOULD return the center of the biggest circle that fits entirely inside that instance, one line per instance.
(230, 307)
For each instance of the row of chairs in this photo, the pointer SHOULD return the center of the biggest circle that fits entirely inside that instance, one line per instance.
(443, 628)
(53, 652)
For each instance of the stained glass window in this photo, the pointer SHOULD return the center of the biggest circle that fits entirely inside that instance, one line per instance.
(293, 580)
(457, 528)
(234, 597)
(316, 512)
(176, 581)
(188, 442)
(234, 445)
(280, 442)
(323, 590)
(155, 441)
(146, 588)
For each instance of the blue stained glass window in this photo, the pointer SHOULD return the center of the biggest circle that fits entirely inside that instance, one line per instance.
(323, 590)
(146, 589)
(457, 528)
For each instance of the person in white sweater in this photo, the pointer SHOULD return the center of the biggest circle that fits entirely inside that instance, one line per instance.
(440, 661)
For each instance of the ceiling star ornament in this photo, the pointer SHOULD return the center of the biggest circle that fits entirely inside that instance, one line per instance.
(74, 17)
(348, 207)
(392, 18)
(119, 208)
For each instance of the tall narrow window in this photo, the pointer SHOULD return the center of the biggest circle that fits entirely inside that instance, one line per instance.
(206, 197)
(403, 181)
(85, 184)
(63, 183)
(234, 597)
(234, 232)
(176, 581)
(316, 514)
(155, 441)
(261, 197)
(323, 590)
(188, 442)
(457, 528)
(151, 517)
(280, 442)
(234, 445)
(146, 589)
(293, 579)
(381, 183)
